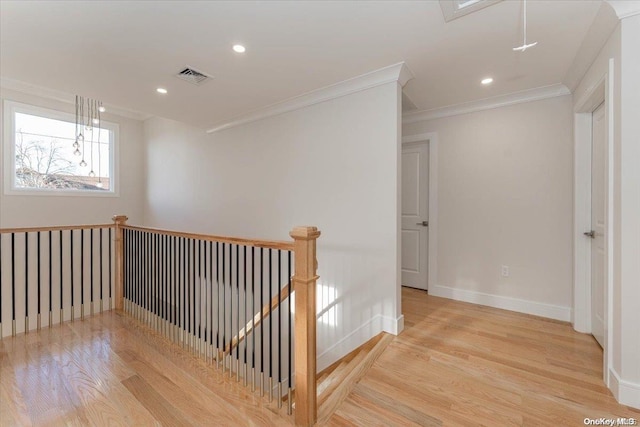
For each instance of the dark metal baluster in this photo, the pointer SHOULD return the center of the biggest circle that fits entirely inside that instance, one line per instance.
(91, 272)
(192, 295)
(1, 330)
(211, 300)
(279, 283)
(244, 315)
(289, 338)
(199, 299)
(165, 285)
(39, 321)
(26, 283)
(159, 310)
(61, 278)
(13, 284)
(135, 258)
(155, 282)
(142, 267)
(238, 312)
(145, 277)
(110, 283)
(188, 291)
(261, 321)
(102, 262)
(184, 293)
(253, 320)
(174, 286)
(149, 283)
(82, 274)
(50, 283)
(217, 305)
(126, 266)
(224, 309)
(230, 352)
(73, 310)
(270, 325)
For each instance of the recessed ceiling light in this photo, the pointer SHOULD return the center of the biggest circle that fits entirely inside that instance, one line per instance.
(102, 109)
(161, 90)
(487, 81)
(239, 48)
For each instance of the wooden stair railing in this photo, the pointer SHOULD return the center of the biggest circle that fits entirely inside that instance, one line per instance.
(258, 318)
(157, 313)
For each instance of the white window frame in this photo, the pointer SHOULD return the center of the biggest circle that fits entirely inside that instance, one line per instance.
(9, 148)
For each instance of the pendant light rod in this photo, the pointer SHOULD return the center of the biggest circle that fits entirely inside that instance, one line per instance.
(524, 46)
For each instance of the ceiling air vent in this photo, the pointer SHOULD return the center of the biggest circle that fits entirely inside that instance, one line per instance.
(193, 76)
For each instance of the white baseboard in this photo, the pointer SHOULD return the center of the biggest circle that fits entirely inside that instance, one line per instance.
(391, 325)
(352, 341)
(625, 392)
(508, 303)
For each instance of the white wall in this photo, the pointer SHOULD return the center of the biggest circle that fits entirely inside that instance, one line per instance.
(33, 211)
(505, 198)
(629, 280)
(333, 165)
(624, 342)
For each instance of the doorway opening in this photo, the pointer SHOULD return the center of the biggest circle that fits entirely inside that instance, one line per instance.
(418, 231)
(593, 204)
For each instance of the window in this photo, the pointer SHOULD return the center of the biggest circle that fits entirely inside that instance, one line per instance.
(40, 156)
(452, 9)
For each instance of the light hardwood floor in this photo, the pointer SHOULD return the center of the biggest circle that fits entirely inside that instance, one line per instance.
(455, 364)
(108, 371)
(463, 364)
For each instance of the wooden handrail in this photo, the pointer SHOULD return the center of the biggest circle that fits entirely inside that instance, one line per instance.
(271, 244)
(54, 228)
(257, 319)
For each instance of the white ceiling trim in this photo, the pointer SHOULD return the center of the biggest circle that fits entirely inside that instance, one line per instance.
(625, 8)
(67, 98)
(394, 73)
(487, 103)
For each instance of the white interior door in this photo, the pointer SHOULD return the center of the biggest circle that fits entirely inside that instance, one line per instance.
(415, 215)
(597, 232)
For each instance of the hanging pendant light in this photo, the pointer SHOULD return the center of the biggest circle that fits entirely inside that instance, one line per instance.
(88, 123)
(524, 46)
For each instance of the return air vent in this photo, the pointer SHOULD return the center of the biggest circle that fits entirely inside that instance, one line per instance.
(193, 76)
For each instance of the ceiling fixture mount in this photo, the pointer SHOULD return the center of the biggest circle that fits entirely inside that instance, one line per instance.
(238, 48)
(161, 90)
(524, 46)
(487, 81)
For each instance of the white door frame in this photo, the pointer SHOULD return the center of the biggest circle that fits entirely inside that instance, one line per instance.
(432, 139)
(600, 92)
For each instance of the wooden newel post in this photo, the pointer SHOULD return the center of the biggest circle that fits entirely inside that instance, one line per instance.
(119, 220)
(304, 282)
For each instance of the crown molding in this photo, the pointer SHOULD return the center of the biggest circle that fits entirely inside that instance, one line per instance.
(394, 73)
(625, 8)
(487, 103)
(56, 95)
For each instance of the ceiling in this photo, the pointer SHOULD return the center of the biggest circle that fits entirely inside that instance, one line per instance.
(120, 52)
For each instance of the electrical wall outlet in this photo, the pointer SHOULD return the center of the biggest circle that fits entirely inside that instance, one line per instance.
(504, 270)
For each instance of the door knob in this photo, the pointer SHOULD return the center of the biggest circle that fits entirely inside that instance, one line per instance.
(423, 223)
(591, 234)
